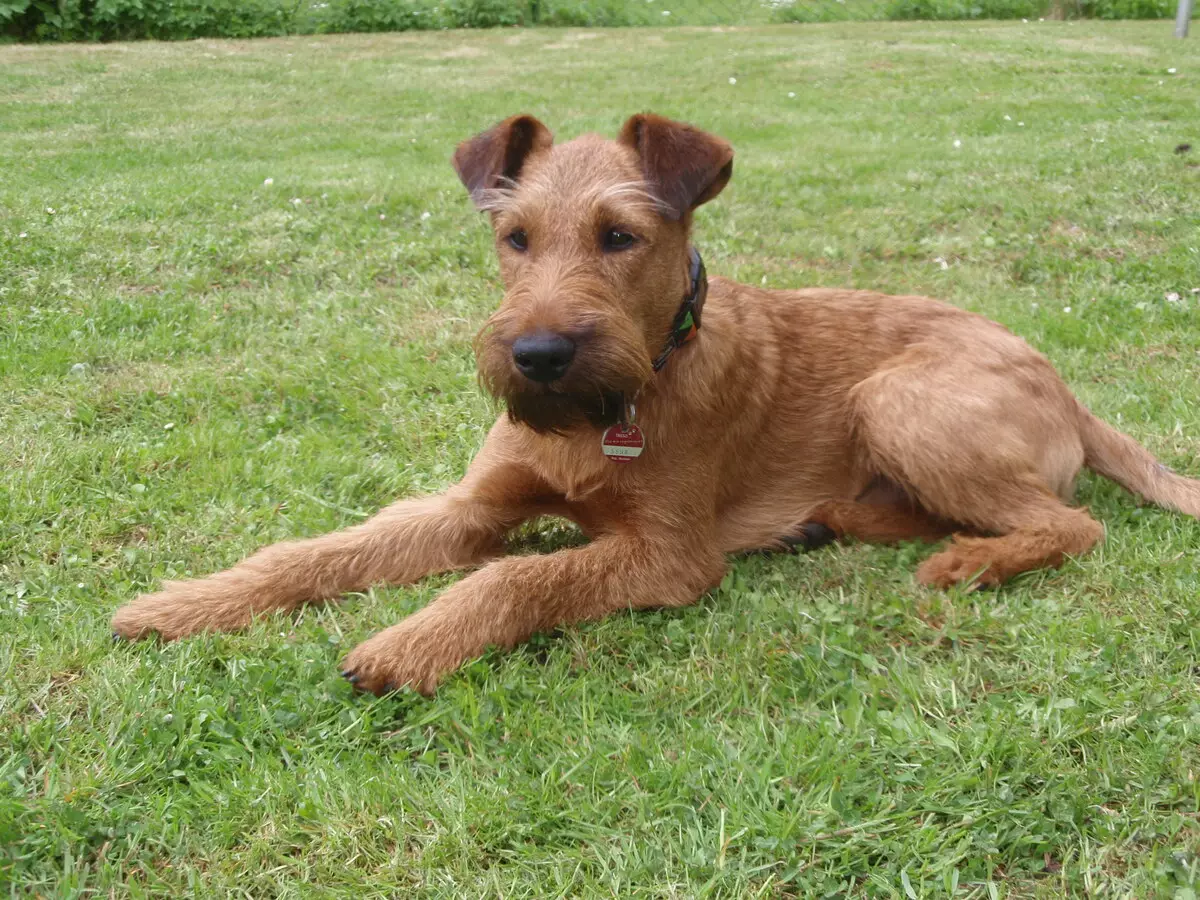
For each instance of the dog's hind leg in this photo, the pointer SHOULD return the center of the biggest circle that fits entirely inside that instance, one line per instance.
(406, 541)
(881, 514)
(994, 447)
(1048, 533)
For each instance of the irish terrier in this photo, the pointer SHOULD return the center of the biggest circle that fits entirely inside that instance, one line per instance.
(677, 420)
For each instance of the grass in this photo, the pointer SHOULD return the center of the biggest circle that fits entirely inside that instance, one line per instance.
(111, 20)
(195, 362)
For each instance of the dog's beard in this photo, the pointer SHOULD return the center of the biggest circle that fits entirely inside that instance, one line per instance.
(550, 411)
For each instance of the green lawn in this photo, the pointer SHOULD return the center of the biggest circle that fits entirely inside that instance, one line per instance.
(237, 286)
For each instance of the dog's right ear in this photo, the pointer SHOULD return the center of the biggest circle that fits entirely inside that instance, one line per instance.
(495, 158)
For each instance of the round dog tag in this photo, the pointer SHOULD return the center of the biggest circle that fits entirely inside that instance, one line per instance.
(622, 443)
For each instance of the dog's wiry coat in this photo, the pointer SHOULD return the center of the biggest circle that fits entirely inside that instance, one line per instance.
(879, 417)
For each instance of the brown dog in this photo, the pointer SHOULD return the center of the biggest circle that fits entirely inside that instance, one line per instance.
(791, 418)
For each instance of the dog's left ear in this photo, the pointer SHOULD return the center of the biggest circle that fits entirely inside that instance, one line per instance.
(489, 160)
(684, 165)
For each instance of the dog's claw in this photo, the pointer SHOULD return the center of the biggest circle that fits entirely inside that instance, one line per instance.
(350, 676)
(389, 688)
(117, 637)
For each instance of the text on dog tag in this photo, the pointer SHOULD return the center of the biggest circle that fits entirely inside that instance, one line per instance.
(622, 443)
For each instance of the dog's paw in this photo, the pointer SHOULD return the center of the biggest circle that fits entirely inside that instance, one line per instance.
(960, 563)
(808, 536)
(164, 614)
(180, 609)
(405, 655)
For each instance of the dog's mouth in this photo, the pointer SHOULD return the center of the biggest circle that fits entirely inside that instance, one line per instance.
(550, 410)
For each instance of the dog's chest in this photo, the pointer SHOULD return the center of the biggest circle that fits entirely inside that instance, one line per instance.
(576, 469)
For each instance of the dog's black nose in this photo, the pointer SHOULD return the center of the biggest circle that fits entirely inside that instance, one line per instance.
(543, 356)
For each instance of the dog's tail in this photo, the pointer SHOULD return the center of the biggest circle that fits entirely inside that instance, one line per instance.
(1119, 457)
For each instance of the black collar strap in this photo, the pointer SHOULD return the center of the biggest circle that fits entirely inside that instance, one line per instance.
(687, 320)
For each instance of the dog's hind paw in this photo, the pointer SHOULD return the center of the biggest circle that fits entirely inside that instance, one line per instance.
(808, 536)
(964, 562)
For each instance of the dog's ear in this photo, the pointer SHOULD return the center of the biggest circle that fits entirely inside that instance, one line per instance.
(684, 165)
(495, 157)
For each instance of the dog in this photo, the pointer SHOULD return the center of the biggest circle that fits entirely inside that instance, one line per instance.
(679, 420)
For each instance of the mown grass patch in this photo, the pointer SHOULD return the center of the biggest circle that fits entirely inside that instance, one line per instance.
(196, 361)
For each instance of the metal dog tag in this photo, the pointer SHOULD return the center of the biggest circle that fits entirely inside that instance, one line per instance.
(623, 443)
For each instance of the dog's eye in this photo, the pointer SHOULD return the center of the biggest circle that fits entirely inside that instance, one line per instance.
(616, 239)
(519, 240)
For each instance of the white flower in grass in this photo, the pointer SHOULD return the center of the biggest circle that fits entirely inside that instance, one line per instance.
(50, 210)
(382, 217)
(267, 182)
(1067, 309)
(1171, 71)
(23, 234)
(1008, 118)
(666, 12)
(957, 143)
(1020, 124)
(170, 426)
(1172, 297)
(733, 81)
(791, 93)
(941, 263)
(296, 201)
(425, 216)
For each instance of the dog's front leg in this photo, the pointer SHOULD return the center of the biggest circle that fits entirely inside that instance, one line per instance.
(509, 600)
(406, 541)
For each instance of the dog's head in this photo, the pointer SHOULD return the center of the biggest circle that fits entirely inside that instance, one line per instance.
(593, 243)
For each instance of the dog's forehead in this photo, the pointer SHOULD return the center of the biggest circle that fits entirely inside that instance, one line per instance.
(583, 167)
